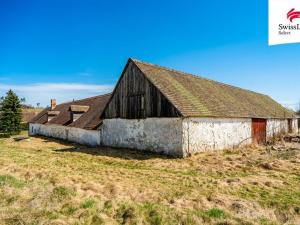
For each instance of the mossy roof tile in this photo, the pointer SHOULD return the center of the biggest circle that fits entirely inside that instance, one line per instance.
(195, 96)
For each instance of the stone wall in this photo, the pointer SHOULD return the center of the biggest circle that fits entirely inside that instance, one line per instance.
(152, 134)
(202, 134)
(71, 134)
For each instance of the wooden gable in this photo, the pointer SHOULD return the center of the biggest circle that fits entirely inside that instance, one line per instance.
(135, 97)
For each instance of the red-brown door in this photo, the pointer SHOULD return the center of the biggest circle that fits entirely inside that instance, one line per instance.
(259, 133)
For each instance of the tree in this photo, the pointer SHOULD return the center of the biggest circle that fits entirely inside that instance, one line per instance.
(11, 114)
(1, 100)
(23, 100)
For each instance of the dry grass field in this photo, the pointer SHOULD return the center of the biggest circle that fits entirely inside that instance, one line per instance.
(43, 181)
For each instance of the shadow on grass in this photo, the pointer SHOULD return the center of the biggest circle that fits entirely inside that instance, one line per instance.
(122, 153)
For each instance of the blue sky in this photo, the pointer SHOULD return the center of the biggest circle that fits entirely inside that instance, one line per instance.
(73, 49)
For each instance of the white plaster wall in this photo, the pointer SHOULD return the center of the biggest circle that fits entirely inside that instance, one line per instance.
(84, 137)
(53, 131)
(72, 134)
(276, 127)
(202, 134)
(295, 126)
(280, 126)
(152, 134)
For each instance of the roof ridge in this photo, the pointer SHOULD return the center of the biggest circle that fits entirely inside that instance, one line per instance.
(84, 99)
(193, 75)
(97, 96)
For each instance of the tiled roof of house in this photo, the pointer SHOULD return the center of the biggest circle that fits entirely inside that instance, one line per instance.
(89, 120)
(195, 96)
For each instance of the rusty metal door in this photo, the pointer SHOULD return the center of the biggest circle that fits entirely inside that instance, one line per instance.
(259, 131)
(290, 125)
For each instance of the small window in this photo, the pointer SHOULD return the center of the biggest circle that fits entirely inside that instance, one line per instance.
(77, 111)
(52, 114)
(50, 118)
(76, 116)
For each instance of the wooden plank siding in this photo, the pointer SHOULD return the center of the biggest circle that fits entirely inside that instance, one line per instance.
(135, 98)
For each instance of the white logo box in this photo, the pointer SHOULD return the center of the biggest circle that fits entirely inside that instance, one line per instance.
(281, 29)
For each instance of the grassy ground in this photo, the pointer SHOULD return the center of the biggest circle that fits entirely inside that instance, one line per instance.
(46, 182)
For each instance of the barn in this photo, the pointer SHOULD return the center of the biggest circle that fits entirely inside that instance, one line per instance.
(76, 121)
(163, 110)
(159, 109)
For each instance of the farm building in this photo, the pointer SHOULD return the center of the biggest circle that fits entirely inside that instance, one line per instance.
(159, 109)
(75, 121)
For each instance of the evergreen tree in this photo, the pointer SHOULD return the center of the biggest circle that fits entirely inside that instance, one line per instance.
(10, 114)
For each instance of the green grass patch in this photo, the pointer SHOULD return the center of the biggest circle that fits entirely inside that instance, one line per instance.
(154, 213)
(282, 198)
(208, 215)
(215, 213)
(147, 213)
(68, 209)
(265, 221)
(88, 203)
(126, 214)
(297, 178)
(62, 192)
(7, 180)
(96, 220)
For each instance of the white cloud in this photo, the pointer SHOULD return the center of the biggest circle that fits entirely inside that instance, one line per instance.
(62, 92)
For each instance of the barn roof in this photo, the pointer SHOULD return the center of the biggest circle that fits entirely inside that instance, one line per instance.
(196, 96)
(89, 120)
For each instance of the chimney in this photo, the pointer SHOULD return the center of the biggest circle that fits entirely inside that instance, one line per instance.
(53, 103)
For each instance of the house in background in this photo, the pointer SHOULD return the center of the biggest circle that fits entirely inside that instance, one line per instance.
(163, 110)
(75, 121)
